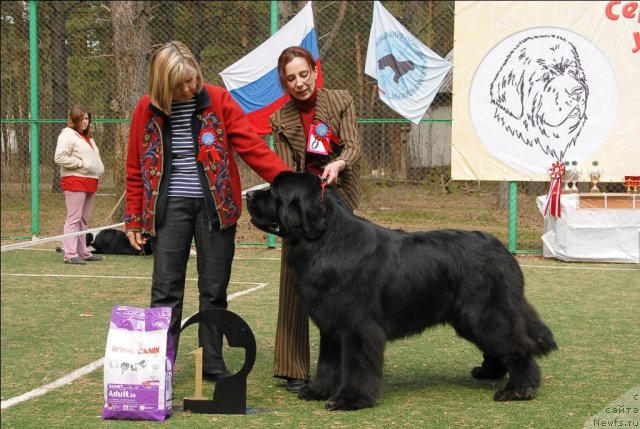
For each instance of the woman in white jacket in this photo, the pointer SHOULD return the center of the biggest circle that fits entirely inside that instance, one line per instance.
(80, 168)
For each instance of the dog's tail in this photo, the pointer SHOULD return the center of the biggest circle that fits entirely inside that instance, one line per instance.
(540, 334)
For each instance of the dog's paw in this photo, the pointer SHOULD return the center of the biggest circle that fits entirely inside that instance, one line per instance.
(338, 403)
(309, 393)
(523, 394)
(483, 373)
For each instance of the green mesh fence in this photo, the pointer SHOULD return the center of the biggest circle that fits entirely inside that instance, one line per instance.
(97, 54)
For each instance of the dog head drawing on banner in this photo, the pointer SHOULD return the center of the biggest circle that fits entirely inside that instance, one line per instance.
(541, 93)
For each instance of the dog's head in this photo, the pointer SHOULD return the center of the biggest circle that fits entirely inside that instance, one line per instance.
(291, 208)
(541, 92)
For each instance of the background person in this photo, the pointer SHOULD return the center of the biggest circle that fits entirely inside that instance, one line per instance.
(80, 168)
(183, 184)
(315, 131)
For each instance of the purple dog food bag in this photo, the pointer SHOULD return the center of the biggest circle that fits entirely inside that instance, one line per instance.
(138, 364)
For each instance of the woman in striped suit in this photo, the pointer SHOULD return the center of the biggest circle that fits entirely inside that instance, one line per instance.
(315, 131)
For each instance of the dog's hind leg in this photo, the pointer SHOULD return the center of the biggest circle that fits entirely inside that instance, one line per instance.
(501, 336)
(509, 352)
(492, 368)
(328, 371)
(533, 338)
(361, 369)
(524, 380)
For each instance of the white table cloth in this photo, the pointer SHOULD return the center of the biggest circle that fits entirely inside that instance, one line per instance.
(591, 234)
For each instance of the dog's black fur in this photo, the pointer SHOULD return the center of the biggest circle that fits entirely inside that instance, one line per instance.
(115, 242)
(364, 285)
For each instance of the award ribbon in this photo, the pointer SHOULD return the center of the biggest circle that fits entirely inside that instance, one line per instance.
(552, 203)
(206, 139)
(320, 133)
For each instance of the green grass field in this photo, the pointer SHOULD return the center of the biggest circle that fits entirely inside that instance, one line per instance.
(55, 320)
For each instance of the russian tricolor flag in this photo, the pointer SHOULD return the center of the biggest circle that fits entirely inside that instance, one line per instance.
(253, 80)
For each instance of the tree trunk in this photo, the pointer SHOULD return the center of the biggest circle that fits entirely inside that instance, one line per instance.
(337, 25)
(502, 195)
(59, 74)
(131, 46)
(198, 42)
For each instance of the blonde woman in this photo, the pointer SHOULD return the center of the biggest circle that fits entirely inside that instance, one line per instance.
(183, 185)
(80, 168)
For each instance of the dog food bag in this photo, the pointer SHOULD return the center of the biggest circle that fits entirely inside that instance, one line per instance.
(138, 364)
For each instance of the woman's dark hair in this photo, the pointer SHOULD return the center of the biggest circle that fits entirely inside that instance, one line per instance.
(287, 56)
(76, 114)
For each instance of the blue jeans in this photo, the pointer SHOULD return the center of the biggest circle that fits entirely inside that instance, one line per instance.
(186, 220)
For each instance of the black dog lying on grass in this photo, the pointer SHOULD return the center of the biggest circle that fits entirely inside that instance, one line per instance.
(113, 242)
(364, 285)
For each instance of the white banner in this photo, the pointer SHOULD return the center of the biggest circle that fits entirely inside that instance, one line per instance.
(537, 82)
(409, 74)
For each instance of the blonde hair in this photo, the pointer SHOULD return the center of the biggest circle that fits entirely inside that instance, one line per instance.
(169, 65)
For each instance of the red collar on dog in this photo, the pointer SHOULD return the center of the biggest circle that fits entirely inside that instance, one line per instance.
(323, 184)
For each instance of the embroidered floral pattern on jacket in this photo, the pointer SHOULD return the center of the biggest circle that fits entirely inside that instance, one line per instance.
(217, 172)
(151, 170)
(130, 218)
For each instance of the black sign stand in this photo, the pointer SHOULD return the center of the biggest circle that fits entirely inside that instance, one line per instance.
(230, 393)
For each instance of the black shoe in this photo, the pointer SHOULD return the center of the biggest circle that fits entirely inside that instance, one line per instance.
(295, 384)
(215, 376)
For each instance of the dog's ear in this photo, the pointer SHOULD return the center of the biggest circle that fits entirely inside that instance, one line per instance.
(314, 221)
(507, 88)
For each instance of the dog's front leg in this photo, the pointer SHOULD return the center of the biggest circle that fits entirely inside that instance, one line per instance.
(328, 371)
(361, 369)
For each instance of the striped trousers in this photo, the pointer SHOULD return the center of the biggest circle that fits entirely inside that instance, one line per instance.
(291, 352)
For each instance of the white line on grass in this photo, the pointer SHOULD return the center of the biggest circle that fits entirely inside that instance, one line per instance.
(570, 267)
(69, 378)
(37, 241)
(242, 258)
(85, 276)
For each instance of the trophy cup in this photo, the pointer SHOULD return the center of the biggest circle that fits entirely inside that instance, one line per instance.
(595, 174)
(566, 175)
(573, 175)
(632, 182)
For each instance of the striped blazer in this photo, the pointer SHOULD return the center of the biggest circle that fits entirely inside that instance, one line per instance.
(336, 109)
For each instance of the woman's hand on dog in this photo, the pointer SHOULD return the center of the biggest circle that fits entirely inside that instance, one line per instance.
(136, 239)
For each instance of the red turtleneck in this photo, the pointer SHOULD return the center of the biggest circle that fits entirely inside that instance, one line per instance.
(307, 111)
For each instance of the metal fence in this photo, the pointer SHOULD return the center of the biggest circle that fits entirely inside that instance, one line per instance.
(77, 46)
(78, 50)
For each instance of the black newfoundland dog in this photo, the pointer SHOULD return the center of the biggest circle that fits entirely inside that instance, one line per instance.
(115, 242)
(365, 285)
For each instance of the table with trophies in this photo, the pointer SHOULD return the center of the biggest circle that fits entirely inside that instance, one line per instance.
(594, 226)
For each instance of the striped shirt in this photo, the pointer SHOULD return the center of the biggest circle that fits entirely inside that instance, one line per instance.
(184, 180)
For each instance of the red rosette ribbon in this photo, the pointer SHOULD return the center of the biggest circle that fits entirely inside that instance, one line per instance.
(206, 140)
(552, 203)
(322, 132)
